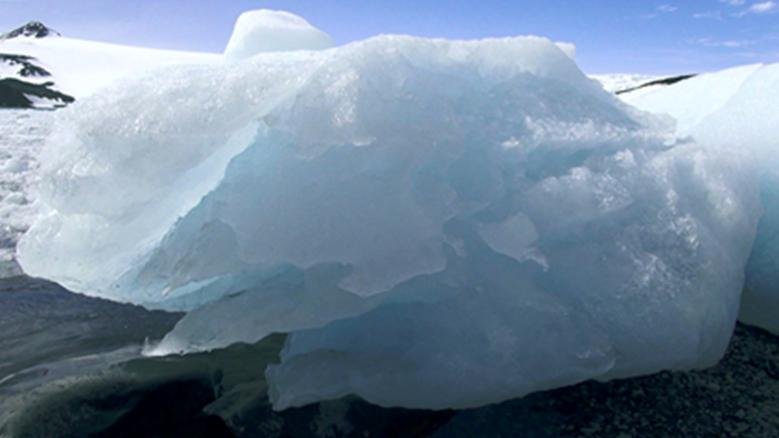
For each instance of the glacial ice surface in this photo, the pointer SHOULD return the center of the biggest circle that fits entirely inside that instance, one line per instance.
(737, 109)
(436, 223)
(273, 31)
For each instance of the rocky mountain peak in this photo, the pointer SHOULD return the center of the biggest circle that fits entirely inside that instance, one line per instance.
(33, 29)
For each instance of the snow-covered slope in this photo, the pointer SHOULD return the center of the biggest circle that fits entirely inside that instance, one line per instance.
(80, 68)
(632, 86)
(24, 82)
(616, 82)
(21, 67)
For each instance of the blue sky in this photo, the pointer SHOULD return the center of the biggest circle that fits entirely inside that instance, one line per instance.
(611, 35)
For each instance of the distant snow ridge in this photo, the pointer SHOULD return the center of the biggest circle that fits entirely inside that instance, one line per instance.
(614, 83)
(79, 68)
(437, 223)
(273, 31)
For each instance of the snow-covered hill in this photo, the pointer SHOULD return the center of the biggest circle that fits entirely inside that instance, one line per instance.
(622, 81)
(34, 53)
(24, 82)
(630, 86)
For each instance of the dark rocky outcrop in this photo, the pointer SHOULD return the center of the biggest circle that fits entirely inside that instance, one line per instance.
(34, 29)
(15, 93)
(26, 64)
(665, 81)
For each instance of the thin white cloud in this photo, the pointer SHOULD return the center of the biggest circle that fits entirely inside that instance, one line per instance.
(762, 7)
(662, 9)
(728, 44)
(758, 8)
(712, 15)
(733, 2)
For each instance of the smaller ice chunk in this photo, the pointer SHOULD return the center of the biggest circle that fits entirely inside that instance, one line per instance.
(567, 48)
(735, 109)
(273, 31)
(749, 122)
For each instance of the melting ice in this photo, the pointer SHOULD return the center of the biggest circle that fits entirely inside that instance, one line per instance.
(438, 224)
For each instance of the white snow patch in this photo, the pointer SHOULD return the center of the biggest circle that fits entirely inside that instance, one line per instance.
(79, 67)
(621, 81)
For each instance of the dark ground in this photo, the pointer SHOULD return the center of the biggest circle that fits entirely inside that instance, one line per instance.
(14, 93)
(222, 394)
(42, 322)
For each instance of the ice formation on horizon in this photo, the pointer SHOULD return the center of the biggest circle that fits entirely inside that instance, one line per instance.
(436, 223)
(273, 31)
(737, 109)
(567, 48)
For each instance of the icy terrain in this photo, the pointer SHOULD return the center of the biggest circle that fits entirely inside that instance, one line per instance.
(22, 135)
(616, 82)
(437, 223)
(736, 108)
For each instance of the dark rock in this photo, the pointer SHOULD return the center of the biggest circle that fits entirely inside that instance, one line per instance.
(42, 322)
(27, 67)
(15, 93)
(665, 81)
(172, 409)
(34, 29)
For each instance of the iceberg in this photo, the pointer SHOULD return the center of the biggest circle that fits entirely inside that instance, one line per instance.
(736, 109)
(436, 224)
